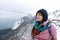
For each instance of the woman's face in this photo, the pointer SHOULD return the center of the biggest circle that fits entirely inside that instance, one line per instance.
(39, 17)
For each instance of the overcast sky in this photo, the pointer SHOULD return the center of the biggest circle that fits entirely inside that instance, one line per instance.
(20, 7)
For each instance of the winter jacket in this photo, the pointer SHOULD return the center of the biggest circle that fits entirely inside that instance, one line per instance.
(45, 34)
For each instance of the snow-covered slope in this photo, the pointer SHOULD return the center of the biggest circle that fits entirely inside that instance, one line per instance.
(16, 25)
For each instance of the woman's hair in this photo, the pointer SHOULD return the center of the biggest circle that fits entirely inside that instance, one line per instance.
(44, 14)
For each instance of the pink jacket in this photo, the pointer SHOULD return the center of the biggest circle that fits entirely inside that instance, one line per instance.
(45, 34)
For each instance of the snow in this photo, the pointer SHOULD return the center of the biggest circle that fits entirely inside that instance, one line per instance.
(16, 25)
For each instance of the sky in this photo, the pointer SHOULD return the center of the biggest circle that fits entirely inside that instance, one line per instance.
(13, 8)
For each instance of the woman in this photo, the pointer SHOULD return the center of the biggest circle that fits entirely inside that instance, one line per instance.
(42, 29)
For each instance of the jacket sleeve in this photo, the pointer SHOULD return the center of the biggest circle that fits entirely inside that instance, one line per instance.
(54, 32)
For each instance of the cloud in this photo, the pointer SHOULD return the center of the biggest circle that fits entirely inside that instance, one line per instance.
(29, 6)
(11, 14)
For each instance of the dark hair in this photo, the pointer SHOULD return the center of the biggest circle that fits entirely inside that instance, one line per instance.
(44, 14)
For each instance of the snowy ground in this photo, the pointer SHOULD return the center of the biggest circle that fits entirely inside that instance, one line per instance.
(27, 35)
